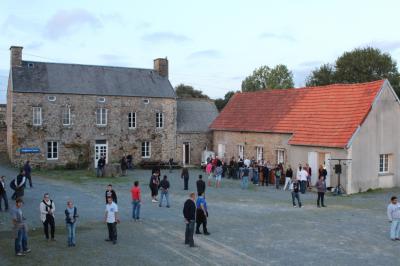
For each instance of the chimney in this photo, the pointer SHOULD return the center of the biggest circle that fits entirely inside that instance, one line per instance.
(16, 56)
(161, 66)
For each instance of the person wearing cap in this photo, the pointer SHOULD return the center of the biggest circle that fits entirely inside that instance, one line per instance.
(110, 192)
(47, 209)
(20, 229)
(111, 219)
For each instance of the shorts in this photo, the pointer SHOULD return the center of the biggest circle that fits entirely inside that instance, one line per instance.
(154, 191)
(218, 177)
(210, 176)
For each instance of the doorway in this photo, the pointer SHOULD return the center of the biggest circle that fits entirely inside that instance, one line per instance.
(100, 149)
(186, 153)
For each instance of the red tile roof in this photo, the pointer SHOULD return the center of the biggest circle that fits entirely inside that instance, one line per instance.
(325, 116)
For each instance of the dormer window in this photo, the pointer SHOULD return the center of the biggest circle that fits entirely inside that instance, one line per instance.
(52, 98)
(146, 101)
(30, 65)
(101, 100)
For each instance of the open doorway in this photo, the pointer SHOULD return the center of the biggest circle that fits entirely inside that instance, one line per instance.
(186, 153)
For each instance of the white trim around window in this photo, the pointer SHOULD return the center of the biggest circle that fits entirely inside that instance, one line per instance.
(146, 149)
(52, 150)
(159, 120)
(280, 156)
(241, 151)
(384, 163)
(66, 116)
(37, 116)
(101, 116)
(131, 120)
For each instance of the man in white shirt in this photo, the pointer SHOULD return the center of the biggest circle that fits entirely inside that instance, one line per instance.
(111, 218)
(303, 180)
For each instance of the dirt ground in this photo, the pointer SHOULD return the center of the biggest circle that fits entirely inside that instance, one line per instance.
(257, 226)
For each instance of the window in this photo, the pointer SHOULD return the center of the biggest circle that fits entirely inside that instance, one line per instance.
(280, 156)
(146, 149)
(146, 101)
(260, 153)
(30, 65)
(384, 163)
(101, 116)
(132, 120)
(159, 120)
(66, 116)
(241, 151)
(101, 100)
(52, 150)
(37, 116)
(52, 98)
(221, 150)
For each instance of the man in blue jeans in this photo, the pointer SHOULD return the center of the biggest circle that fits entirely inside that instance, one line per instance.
(20, 230)
(164, 185)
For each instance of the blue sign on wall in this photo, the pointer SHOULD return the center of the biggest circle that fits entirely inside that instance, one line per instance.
(29, 150)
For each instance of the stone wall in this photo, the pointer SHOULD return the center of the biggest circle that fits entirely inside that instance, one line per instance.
(78, 139)
(198, 143)
(3, 128)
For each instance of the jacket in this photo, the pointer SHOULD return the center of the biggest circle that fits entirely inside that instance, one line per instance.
(164, 185)
(44, 209)
(393, 211)
(112, 194)
(189, 210)
(201, 186)
(321, 187)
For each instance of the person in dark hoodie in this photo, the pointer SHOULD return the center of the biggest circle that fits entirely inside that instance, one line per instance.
(164, 186)
(189, 213)
(201, 185)
(111, 193)
(18, 185)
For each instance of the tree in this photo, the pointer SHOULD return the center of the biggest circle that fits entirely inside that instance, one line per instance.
(359, 65)
(220, 103)
(265, 77)
(186, 91)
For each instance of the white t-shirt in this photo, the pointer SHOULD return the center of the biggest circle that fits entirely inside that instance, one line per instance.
(111, 209)
(303, 175)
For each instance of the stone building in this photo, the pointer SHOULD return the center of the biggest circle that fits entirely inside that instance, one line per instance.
(359, 123)
(70, 113)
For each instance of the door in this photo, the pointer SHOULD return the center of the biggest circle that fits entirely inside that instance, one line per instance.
(100, 149)
(328, 169)
(313, 162)
(186, 153)
(221, 151)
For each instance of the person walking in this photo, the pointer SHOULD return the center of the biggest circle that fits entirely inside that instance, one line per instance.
(20, 230)
(278, 173)
(295, 188)
(393, 213)
(189, 213)
(288, 177)
(18, 185)
(136, 201)
(110, 192)
(201, 214)
(185, 177)
(303, 175)
(201, 186)
(124, 166)
(154, 183)
(101, 163)
(245, 177)
(164, 185)
(321, 188)
(111, 219)
(3, 193)
(129, 160)
(170, 164)
(218, 176)
(28, 172)
(47, 210)
(71, 214)
(209, 172)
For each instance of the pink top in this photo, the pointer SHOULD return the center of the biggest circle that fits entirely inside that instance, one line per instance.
(209, 168)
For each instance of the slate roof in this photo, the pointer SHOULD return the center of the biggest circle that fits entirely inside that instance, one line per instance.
(44, 77)
(195, 115)
(325, 116)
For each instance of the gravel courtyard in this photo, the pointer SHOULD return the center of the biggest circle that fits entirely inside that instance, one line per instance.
(258, 226)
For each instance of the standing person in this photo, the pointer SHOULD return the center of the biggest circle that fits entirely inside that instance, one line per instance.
(71, 214)
(209, 173)
(201, 186)
(129, 160)
(101, 163)
(110, 192)
(245, 177)
(164, 185)
(189, 213)
(231, 167)
(20, 230)
(47, 209)
(185, 177)
(321, 188)
(136, 201)
(28, 172)
(201, 214)
(111, 218)
(18, 185)
(265, 174)
(288, 178)
(154, 183)
(170, 163)
(309, 171)
(322, 172)
(303, 175)
(294, 186)
(393, 213)
(3, 193)
(278, 174)
(218, 176)
(124, 166)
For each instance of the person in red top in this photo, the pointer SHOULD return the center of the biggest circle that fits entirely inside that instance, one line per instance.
(136, 201)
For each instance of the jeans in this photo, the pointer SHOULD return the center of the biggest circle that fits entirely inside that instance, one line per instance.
(321, 197)
(71, 233)
(136, 210)
(185, 183)
(189, 233)
(100, 171)
(255, 177)
(277, 181)
(4, 197)
(245, 182)
(29, 177)
(21, 241)
(49, 221)
(395, 229)
(112, 231)
(287, 181)
(296, 195)
(166, 195)
(303, 186)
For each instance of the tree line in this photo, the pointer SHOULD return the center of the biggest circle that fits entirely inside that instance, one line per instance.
(358, 65)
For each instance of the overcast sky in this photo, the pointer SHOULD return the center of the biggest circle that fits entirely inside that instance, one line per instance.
(211, 45)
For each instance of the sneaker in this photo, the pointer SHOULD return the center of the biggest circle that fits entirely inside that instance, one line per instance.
(207, 233)
(301, 207)
(27, 251)
(154, 201)
(198, 233)
(324, 206)
(19, 254)
(294, 206)
(168, 206)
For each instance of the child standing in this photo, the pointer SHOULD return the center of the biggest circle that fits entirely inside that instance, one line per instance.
(70, 219)
(393, 213)
(295, 193)
(209, 173)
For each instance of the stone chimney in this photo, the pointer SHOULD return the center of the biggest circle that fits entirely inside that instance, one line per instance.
(161, 66)
(16, 56)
